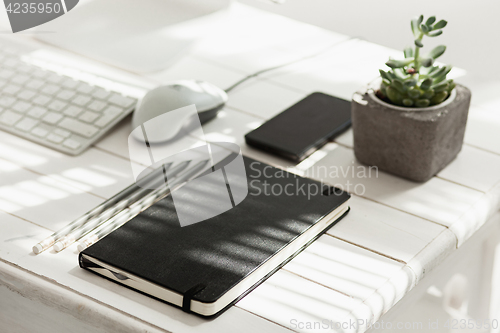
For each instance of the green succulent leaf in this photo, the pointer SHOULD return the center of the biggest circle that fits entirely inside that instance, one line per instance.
(391, 75)
(426, 84)
(433, 69)
(437, 52)
(425, 29)
(418, 43)
(414, 27)
(441, 87)
(420, 19)
(398, 85)
(435, 33)
(438, 72)
(415, 23)
(424, 72)
(399, 63)
(384, 75)
(428, 93)
(426, 62)
(439, 97)
(393, 95)
(440, 75)
(400, 73)
(383, 90)
(422, 103)
(408, 51)
(439, 79)
(440, 25)
(448, 68)
(414, 93)
(430, 20)
(411, 83)
(451, 86)
(407, 102)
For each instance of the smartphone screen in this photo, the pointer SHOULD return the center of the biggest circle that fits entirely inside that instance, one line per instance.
(303, 128)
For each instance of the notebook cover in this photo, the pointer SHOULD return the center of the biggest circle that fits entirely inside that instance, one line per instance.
(303, 128)
(221, 251)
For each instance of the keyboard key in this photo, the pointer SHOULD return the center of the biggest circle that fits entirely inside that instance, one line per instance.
(113, 110)
(11, 89)
(9, 118)
(89, 116)
(25, 68)
(62, 132)
(26, 124)
(84, 88)
(55, 138)
(71, 144)
(104, 120)
(50, 89)
(41, 100)
(97, 106)
(7, 100)
(6, 73)
(41, 74)
(26, 94)
(21, 106)
(20, 79)
(78, 127)
(34, 84)
(37, 112)
(70, 83)
(38, 131)
(12, 62)
(65, 95)
(101, 94)
(73, 111)
(55, 78)
(57, 105)
(121, 100)
(52, 117)
(81, 100)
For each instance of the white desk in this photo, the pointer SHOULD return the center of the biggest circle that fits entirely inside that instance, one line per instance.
(396, 233)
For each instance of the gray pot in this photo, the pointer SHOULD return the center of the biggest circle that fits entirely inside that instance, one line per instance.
(414, 143)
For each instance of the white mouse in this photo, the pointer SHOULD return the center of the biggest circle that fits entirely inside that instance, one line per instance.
(207, 98)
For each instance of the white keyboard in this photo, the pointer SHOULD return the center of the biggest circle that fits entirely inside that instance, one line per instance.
(52, 109)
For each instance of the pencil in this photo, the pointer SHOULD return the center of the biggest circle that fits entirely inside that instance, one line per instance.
(95, 212)
(125, 216)
(77, 233)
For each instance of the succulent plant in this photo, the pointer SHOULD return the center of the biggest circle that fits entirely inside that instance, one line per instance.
(415, 81)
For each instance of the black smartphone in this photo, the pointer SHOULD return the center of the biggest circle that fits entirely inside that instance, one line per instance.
(303, 128)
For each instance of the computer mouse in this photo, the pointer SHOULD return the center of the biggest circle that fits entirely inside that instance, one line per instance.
(207, 98)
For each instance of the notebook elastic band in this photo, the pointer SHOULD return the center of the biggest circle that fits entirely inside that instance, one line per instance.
(188, 295)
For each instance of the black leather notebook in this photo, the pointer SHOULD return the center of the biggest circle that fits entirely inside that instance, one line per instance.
(303, 128)
(208, 266)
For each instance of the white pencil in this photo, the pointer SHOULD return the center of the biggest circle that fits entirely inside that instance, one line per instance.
(94, 222)
(125, 216)
(119, 197)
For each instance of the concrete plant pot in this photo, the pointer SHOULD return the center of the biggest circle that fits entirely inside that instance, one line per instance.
(413, 143)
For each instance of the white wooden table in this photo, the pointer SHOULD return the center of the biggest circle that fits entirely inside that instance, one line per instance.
(396, 233)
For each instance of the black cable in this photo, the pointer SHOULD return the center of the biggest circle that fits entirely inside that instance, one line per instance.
(246, 78)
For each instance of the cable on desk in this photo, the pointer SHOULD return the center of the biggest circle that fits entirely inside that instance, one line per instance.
(246, 78)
